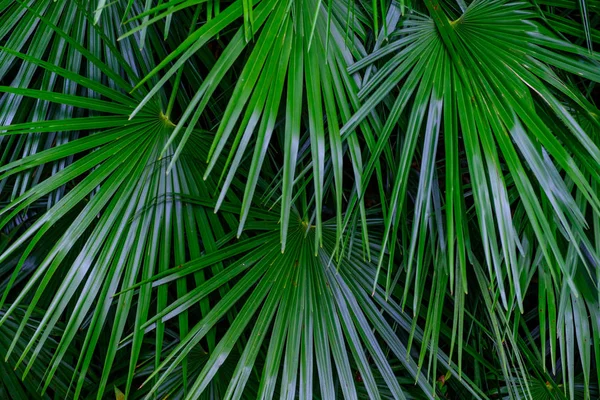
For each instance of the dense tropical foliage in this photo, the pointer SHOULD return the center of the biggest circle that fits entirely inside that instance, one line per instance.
(299, 199)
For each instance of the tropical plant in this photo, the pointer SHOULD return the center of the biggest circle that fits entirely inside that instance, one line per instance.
(299, 199)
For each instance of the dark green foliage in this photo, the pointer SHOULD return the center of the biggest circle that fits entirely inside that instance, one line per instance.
(299, 199)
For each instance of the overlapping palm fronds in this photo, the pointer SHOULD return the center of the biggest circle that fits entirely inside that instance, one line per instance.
(299, 199)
